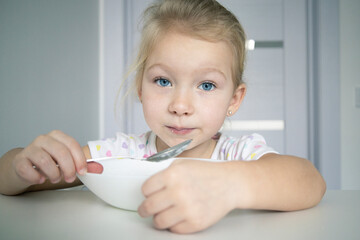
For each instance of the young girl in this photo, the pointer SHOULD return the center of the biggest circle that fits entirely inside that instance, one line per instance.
(188, 79)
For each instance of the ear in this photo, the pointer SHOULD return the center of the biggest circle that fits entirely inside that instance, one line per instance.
(139, 93)
(237, 98)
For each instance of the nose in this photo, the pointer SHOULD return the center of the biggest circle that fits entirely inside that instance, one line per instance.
(181, 104)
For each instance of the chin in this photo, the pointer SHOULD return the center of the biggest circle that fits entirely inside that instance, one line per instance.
(172, 141)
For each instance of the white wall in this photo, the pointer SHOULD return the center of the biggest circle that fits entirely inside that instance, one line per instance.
(48, 70)
(113, 51)
(350, 78)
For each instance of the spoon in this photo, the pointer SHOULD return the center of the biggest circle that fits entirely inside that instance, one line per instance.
(157, 157)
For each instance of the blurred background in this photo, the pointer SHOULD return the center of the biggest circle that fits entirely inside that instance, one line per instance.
(62, 63)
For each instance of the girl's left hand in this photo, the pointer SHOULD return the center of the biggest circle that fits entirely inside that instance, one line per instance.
(190, 195)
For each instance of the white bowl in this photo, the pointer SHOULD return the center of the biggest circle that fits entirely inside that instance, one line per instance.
(120, 182)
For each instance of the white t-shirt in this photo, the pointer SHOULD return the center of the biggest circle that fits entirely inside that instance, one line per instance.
(246, 148)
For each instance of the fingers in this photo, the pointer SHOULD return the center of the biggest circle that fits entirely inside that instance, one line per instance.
(154, 204)
(154, 184)
(180, 197)
(159, 203)
(186, 227)
(169, 218)
(76, 152)
(44, 164)
(27, 173)
(54, 155)
(57, 153)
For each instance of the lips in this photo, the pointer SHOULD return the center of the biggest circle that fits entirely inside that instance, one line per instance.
(180, 130)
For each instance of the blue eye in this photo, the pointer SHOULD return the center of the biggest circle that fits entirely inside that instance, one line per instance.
(207, 86)
(162, 82)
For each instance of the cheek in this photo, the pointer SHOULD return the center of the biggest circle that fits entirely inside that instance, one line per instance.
(152, 106)
(214, 114)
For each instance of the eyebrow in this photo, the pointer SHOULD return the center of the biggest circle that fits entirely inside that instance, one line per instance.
(207, 69)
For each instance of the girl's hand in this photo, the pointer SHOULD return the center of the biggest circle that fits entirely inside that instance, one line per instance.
(190, 195)
(54, 155)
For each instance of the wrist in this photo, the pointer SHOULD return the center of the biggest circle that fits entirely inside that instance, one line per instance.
(241, 182)
(10, 182)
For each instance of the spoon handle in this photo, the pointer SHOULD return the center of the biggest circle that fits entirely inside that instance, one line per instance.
(169, 152)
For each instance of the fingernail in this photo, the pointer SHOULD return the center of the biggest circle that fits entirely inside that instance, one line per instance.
(56, 180)
(70, 179)
(82, 171)
(139, 212)
(42, 180)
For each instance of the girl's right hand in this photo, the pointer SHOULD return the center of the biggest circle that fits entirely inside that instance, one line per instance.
(52, 156)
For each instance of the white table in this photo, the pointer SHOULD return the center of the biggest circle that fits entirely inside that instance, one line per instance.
(78, 214)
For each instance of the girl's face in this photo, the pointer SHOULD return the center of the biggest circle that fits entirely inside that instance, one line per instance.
(187, 91)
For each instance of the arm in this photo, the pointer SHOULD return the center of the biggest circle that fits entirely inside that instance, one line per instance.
(17, 174)
(192, 195)
(279, 182)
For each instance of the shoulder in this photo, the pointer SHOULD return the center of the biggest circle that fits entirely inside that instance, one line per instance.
(228, 141)
(246, 147)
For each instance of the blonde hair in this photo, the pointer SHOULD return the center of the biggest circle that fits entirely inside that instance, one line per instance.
(204, 19)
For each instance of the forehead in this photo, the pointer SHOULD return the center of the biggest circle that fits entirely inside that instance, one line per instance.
(184, 52)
